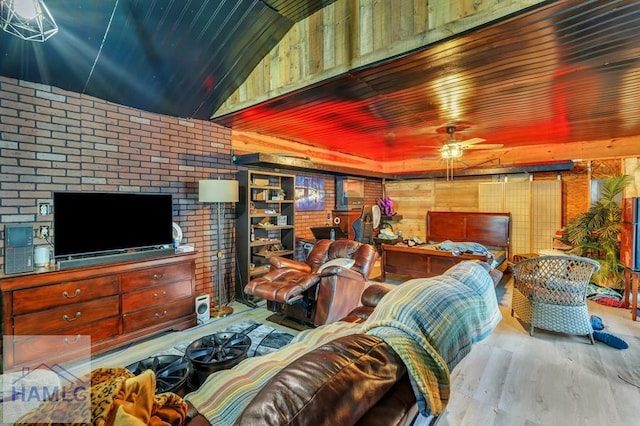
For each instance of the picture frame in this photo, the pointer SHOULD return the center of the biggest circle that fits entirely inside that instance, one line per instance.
(310, 194)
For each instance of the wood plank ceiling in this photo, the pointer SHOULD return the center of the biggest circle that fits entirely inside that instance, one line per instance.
(545, 84)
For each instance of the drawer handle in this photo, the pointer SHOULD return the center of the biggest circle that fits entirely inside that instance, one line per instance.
(157, 276)
(157, 315)
(66, 294)
(67, 318)
(69, 342)
(164, 293)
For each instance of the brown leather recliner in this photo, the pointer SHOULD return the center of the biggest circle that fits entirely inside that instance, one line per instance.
(307, 291)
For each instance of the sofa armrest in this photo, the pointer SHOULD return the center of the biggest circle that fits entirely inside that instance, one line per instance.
(341, 271)
(369, 300)
(283, 262)
(373, 293)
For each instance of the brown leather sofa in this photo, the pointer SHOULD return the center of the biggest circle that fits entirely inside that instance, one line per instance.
(312, 291)
(353, 380)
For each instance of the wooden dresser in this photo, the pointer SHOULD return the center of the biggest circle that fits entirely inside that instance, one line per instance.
(115, 304)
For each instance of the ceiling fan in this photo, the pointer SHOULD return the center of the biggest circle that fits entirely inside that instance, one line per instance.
(453, 148)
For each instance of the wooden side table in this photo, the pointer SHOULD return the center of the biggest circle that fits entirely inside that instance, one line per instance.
(631, 279)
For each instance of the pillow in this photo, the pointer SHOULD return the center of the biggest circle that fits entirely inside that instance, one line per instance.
(345, 262)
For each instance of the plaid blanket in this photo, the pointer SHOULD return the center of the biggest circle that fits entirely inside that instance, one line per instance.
(432, 323)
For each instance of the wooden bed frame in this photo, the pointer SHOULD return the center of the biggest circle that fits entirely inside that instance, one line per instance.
(489, 229)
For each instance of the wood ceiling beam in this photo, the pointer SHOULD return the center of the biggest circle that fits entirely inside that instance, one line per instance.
(276, 162)
(476, 163)
(538, 154)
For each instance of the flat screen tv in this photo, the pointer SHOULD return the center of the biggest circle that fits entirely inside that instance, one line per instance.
(91, 223)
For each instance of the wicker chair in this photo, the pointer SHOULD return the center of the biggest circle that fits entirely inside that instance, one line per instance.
(550, 292)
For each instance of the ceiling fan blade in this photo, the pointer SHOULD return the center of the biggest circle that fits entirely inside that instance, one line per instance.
(434, 146)
(471, 141)
(487, 146)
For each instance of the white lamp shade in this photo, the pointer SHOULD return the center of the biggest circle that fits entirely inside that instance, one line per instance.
(218, 191)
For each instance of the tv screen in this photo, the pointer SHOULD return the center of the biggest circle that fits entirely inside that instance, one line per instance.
(101, 222)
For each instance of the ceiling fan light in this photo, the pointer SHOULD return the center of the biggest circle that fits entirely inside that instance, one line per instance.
(451, 151)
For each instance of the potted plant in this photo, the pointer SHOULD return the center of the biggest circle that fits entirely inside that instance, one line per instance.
(594, 233)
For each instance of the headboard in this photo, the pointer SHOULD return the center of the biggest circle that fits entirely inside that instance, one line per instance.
(489, 229)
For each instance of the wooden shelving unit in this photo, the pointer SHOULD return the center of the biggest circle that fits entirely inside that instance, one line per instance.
(265, 225)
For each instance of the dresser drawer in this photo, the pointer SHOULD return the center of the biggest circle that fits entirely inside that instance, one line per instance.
(65, 293)
(66, 318)
(157, 315)
(158, 275)
(28, 348)
(161, 294)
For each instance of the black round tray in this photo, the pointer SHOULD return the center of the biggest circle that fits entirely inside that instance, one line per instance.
(215, 352)
(172, 372)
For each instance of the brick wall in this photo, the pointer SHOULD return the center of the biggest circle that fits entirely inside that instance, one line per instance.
(54, 140)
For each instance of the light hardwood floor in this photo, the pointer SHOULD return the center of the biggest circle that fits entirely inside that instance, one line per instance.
(508, 379)
(550, 379)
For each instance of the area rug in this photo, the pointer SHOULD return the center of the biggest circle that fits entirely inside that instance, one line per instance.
(264, 339)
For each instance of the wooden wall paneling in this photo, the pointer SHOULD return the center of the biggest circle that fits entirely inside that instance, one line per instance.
(315, 53)
(410, 18)
(365, 29)
(412, 199)
(382, 22)
(274, 76)
(439, 13)
(343, 42)
(252, 84)
(456, 196)
(329, 35)
(302, 49)
(265, 76)
(420, 16)
(284, 60)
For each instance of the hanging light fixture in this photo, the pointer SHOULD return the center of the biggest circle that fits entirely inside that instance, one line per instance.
(451, 150)
(27, 19)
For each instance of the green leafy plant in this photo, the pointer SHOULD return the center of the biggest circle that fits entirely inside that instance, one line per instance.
(594, 233)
